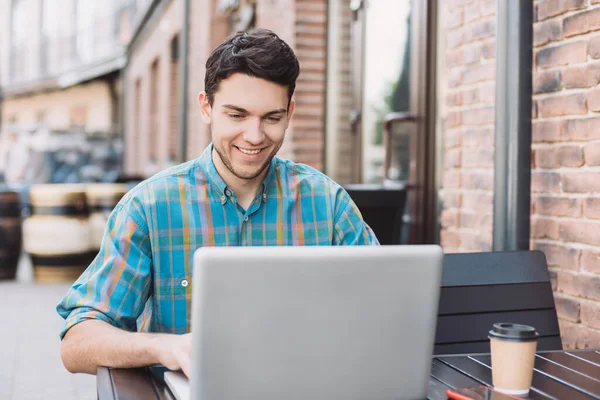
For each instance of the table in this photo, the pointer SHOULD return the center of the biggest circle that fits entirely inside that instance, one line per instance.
(568, 375)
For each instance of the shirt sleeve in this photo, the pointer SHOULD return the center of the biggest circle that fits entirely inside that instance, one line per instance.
(349, 226)
(116, 286)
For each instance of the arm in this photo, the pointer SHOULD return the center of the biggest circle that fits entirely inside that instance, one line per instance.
(349, 227)
(92, 343)
(102, 307)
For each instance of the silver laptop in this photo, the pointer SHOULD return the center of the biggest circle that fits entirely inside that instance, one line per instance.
(343, 322)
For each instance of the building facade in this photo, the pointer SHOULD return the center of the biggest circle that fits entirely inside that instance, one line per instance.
(565, 180)
(60, 62)
(362, 65)
(153, 119)
(388, 90)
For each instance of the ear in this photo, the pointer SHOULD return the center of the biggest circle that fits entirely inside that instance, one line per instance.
(205, 108)
(291, 109)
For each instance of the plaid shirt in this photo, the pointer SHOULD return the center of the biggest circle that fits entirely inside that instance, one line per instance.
(141, 278)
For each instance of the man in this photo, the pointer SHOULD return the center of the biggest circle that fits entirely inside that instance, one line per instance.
(236, 193)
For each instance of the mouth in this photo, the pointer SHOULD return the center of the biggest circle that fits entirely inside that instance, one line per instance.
(250, 152)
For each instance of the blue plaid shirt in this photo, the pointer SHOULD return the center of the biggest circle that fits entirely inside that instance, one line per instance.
(141, 278)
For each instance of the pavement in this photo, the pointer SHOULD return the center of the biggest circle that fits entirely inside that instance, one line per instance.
(30, 363)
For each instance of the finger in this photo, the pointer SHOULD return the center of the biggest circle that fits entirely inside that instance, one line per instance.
(186, 365)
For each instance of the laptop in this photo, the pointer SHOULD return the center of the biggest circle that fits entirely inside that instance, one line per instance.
(333, 322)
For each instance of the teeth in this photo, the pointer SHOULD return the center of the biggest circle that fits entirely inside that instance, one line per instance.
(249, 151)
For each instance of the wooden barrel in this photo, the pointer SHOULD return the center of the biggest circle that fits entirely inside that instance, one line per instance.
(102, 199)
(10, 233)
(57, 235)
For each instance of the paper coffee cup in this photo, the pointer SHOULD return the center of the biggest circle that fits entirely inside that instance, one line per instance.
(513, 349)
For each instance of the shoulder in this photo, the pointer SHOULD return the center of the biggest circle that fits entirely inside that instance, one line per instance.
(305, 176)
(167, 183)
(308, 182)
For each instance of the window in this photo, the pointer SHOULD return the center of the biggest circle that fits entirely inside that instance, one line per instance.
(154, 112)
(136, 141)
(56, 44)
(386, 85)
(21, 43)
(40, 117)
(174, 102)
(84, 36)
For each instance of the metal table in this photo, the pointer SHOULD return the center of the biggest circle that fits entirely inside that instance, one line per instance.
(568, 375)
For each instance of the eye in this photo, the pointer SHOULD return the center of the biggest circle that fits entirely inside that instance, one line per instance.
(274, 119)
(236, 116)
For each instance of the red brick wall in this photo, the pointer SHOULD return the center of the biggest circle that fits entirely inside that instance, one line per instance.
(310, 31)
(341, 151)
(198, 134)
(302, 23)
(467, 113)
(566, 159)
(152, 136)
(566, 146)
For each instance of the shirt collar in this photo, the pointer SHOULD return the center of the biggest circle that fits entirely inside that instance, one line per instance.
(269, 179)
(213, 177)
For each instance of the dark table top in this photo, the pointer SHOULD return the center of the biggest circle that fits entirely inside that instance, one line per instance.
(568, 375)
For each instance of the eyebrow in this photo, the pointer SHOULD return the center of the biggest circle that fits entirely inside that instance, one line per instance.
(244, 111)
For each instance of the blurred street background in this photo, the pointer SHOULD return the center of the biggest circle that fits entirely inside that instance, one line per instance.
(396, 100)
(30, 366)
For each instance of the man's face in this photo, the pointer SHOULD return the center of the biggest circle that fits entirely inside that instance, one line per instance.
(248, 120)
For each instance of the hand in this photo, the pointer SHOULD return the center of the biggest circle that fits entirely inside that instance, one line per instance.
(174, 352)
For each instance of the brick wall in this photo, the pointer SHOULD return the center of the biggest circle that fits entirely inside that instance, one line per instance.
(149, 132)
(208, 28)
(340, 96)
(566, 160)
(303, 25)
(198, 134)
(565, 151)
(345, 136)
(468, 123)
(310, 46)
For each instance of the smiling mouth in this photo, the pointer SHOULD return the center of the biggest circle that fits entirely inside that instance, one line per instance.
(252, 152)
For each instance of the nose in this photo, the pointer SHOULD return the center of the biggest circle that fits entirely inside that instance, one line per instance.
(253, 133)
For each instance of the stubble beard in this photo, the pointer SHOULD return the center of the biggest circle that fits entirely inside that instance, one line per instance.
(227, 162)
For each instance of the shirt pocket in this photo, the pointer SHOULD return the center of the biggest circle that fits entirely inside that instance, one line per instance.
(176, 286)
(173, 294)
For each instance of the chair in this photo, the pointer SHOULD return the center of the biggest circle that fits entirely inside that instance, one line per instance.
(382, 208)
(480, 289)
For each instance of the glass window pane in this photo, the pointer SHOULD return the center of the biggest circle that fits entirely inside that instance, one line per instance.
(386, 79)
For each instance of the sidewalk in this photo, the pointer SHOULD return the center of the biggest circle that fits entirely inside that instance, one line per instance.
(30, 363)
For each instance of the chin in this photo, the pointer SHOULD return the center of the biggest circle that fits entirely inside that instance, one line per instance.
(249, 175)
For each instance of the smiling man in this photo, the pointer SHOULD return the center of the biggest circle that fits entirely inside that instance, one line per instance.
(132, 306)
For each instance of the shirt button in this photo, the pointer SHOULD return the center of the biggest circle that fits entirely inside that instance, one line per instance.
(228, 192)
(246, 219)
(184, 283)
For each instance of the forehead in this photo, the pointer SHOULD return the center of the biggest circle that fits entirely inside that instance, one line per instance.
(252, 94)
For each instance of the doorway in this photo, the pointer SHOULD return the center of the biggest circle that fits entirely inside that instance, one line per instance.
(386, 133)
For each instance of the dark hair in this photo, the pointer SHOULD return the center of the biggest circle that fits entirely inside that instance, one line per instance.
(258, 53)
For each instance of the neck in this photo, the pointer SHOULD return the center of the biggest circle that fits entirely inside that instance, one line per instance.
(244, 189)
